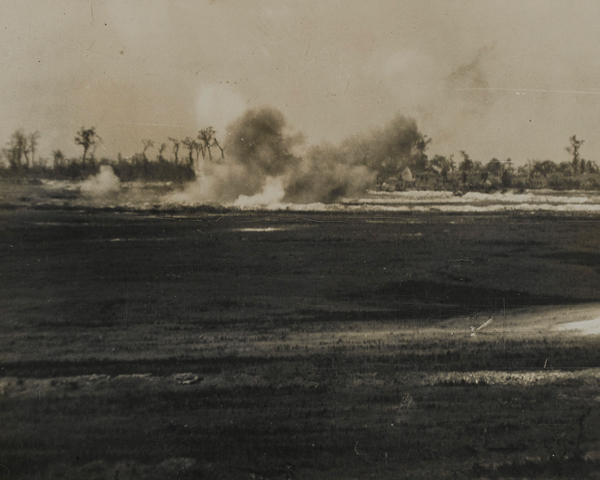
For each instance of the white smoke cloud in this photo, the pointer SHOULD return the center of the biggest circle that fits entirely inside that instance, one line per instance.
(102, 184)
(272, 193)
(216, 182)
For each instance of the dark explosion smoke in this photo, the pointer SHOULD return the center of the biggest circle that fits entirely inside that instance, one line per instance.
(259, 152)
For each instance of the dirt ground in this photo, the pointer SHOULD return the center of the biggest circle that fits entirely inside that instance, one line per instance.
(227, 344)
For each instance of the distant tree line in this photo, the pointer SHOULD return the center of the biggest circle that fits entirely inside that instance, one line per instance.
(18, 158)
(20, 150)
(445, 173)
(399, 157)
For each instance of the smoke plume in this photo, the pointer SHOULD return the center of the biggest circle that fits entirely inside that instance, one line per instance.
(102, 184)
(470, 85)
(257, 141)
(326, 174)
(261, 166)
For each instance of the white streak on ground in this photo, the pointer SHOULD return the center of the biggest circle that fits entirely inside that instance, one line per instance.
(586, 327)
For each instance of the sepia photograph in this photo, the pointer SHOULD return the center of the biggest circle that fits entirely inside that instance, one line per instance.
(275, 239)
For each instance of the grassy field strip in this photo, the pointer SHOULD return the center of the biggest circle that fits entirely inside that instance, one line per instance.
(139, 342)
(343, 350)
(282, 424)
(17, 387)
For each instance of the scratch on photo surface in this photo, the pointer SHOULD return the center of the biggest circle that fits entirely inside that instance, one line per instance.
(150, 124)
(519, 90)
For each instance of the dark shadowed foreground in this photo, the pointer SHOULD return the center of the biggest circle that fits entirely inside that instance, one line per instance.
(283, 345)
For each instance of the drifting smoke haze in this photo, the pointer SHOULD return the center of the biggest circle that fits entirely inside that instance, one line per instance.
(326, 174)
(259, 150)
(101, 185)
(330, 172)
(261, 166)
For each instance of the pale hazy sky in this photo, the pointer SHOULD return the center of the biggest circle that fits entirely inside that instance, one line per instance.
(496, 78)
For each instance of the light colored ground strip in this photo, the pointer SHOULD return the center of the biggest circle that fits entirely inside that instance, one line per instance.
(586, 327)
(351, 208)
(11, 387)
(138, 197)
(154, 239)
(539, 377)
(473, 207)
(472, 197)
(267, 229)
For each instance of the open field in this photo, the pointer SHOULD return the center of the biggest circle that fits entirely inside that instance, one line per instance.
(216, 343)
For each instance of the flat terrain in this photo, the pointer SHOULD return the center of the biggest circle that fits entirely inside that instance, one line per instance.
(227, 344)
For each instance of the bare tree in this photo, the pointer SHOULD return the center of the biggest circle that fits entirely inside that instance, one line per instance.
(176, 144)
(198, 149)
(219, 147)
(33, 143)
(206, 136)
(208, 139)
(59, 158)
(17, 149)
(420, 157)
(147, 144)
(161, 150)
(190, 144)
(466, 166)
(573, 149)
(451, 163)
(87, 138)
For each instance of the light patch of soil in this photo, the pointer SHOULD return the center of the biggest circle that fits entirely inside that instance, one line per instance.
(521, 378)
(586, 327)
(539, 319)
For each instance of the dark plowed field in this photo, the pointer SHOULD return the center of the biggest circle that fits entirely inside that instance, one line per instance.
(315, 345)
